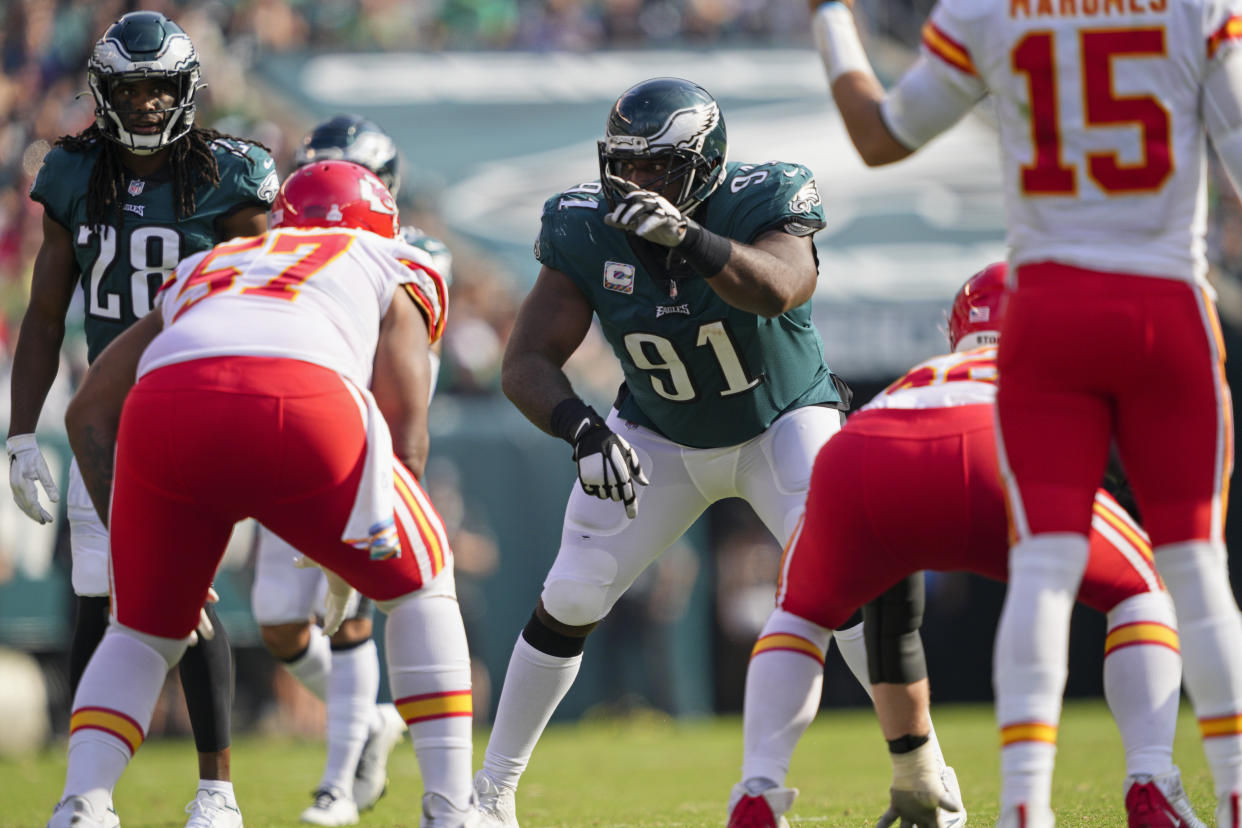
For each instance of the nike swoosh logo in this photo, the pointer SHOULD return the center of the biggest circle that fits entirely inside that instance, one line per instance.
(1173, 818)
(950, 820)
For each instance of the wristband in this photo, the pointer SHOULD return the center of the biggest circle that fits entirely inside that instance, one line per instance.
(706, 252)
(569, 416)
(836, 38)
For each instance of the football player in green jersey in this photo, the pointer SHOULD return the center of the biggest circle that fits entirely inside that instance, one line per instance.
(123, 202)
(342, 670)
(700, 271)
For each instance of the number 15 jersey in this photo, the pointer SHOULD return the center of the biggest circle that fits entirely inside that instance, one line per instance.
(1101, 128)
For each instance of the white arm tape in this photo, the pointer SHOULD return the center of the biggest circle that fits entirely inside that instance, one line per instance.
(836, 38)
(927, 101)
(1222, 113)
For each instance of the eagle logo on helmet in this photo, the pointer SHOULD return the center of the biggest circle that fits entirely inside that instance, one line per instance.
(687, 128)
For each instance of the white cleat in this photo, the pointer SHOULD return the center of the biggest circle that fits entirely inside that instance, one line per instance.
(371, 775)
(497, 806)
(760, 803)
(77, 812)
(951, 819)
(331, 807)
(212, 810)
(438, 812)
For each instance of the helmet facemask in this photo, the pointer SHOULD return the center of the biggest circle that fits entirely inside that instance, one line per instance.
(690, 175)
(144, 45)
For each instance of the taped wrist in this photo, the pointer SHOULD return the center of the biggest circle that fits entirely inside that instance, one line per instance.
(572, 418)
(706, 252)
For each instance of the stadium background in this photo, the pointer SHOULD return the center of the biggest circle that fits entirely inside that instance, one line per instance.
(496, 104)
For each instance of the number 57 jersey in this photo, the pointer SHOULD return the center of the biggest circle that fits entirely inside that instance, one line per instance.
(311, 294)
(1101, 127)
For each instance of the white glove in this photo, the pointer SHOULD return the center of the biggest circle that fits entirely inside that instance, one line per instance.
(919, 798)
(608, 466)
(26, 466)
(205, 631)
(335, 601)
(649, 216)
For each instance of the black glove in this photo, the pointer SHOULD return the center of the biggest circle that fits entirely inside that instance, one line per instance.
(608, 466)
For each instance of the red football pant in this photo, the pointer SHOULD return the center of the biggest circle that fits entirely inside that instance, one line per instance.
(898, 491)
(1087, 359)
(206, 443)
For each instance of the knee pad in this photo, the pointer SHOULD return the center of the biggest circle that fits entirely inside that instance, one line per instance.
(891, 628)
(551, 642)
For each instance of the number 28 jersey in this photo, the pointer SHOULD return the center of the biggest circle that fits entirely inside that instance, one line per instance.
(123, 263)
(1098, 104)
(310, 294)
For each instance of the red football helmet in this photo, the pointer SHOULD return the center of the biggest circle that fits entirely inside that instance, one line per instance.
(979, 306)
(336, 194)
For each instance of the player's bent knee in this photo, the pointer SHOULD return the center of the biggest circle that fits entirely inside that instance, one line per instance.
(353, 631)
(575, 603)
(891, 625)
(284, 641)
(538, 634)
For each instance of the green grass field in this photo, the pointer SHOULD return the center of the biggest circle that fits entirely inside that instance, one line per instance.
(647, 771)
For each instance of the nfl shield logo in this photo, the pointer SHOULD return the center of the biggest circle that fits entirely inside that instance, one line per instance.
(137, 186)
(619, 276)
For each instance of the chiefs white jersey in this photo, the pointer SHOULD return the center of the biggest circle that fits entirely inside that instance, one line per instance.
(966, 378)
(312, 294)
(1098, 104)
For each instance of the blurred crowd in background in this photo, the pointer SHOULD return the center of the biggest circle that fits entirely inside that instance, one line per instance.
(42, 73)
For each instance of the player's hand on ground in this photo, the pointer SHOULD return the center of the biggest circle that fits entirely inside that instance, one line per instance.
(26, 469)
(608, 466)
(205, 631)
(919, 808)
(647, 215)
(335, 602)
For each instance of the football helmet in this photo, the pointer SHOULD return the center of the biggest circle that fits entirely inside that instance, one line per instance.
(336, 194)
(352, 138)
(670, 119)
(143, 44)
(978, 308)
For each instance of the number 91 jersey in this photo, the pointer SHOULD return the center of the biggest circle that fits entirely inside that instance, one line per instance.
(1098, 104)
(123, 266)
(698, 370)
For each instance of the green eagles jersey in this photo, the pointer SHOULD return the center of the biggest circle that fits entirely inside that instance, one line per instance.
(122, 268)
(697, 370)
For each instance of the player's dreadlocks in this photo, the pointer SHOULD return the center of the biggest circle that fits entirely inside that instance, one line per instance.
(191, 160)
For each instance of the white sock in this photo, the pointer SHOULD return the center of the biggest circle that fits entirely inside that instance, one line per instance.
(534, 685)
(1142, 680)
(219, 786)
(783, 685)
(1210, 629)
(112, 710)
(1030, 662)
(353, 685)
(429, 673)
(312, 667)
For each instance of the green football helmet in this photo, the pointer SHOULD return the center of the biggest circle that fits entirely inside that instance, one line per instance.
(670, 119)
(353, 138)
(144, 44)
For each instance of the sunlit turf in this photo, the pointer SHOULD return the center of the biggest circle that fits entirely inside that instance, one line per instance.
(643, 771)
